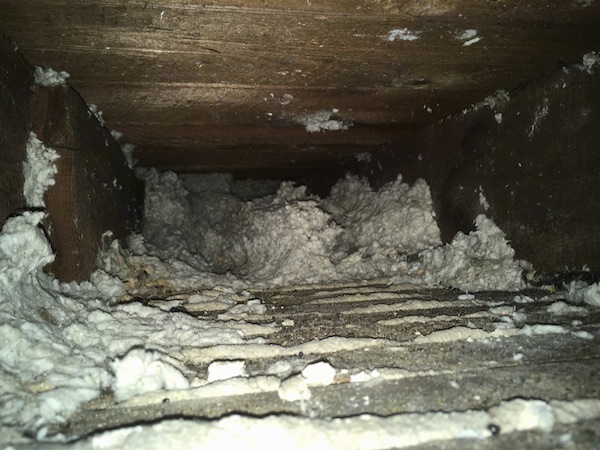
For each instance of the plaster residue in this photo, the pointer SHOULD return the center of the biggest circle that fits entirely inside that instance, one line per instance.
(469, 37)
(39, 170)
(402, 34)
(93, 110)
(540, 113)
(590, 61)
(321, 120)
(50, 77)
(482, 200)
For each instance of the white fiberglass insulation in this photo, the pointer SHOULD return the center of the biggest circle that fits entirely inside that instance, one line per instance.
(64, 344)
(57, 339)
(38, 170)
(292, 238)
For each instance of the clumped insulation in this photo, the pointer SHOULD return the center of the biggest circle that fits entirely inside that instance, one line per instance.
(293, 238)
(65, 344)
(49, 77)
(38, 170)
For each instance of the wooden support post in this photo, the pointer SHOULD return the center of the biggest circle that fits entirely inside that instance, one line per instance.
(94, 190)
(16, 79)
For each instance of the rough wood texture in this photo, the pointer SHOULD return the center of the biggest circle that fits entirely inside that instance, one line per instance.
(95, 191)
(220, 85)
(539, 169)
(16, 78)
(447, 374)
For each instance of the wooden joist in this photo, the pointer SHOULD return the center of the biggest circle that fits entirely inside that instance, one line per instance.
(531, 163)
(160, 69)
(94, 189)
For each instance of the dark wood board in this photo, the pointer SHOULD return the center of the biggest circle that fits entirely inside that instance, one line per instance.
(16, 78)
(94, 190)
(227, 65)
(539, 169)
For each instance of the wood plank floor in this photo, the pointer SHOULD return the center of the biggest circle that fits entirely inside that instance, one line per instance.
(397, 350)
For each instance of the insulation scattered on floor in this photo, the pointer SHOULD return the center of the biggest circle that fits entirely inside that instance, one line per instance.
(227, 276)
(69, 344)
(363, 432)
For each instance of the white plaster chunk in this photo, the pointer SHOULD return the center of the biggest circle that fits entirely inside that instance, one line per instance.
(319, 374)
(223, 370)
(39, 170)
(50, 77)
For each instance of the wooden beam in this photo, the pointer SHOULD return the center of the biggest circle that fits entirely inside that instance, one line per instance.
(94, 192)
(225, 65)
(16, 79)
(536, 161)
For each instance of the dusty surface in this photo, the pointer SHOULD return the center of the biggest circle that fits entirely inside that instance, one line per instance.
(411, 366)
(243, 85)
